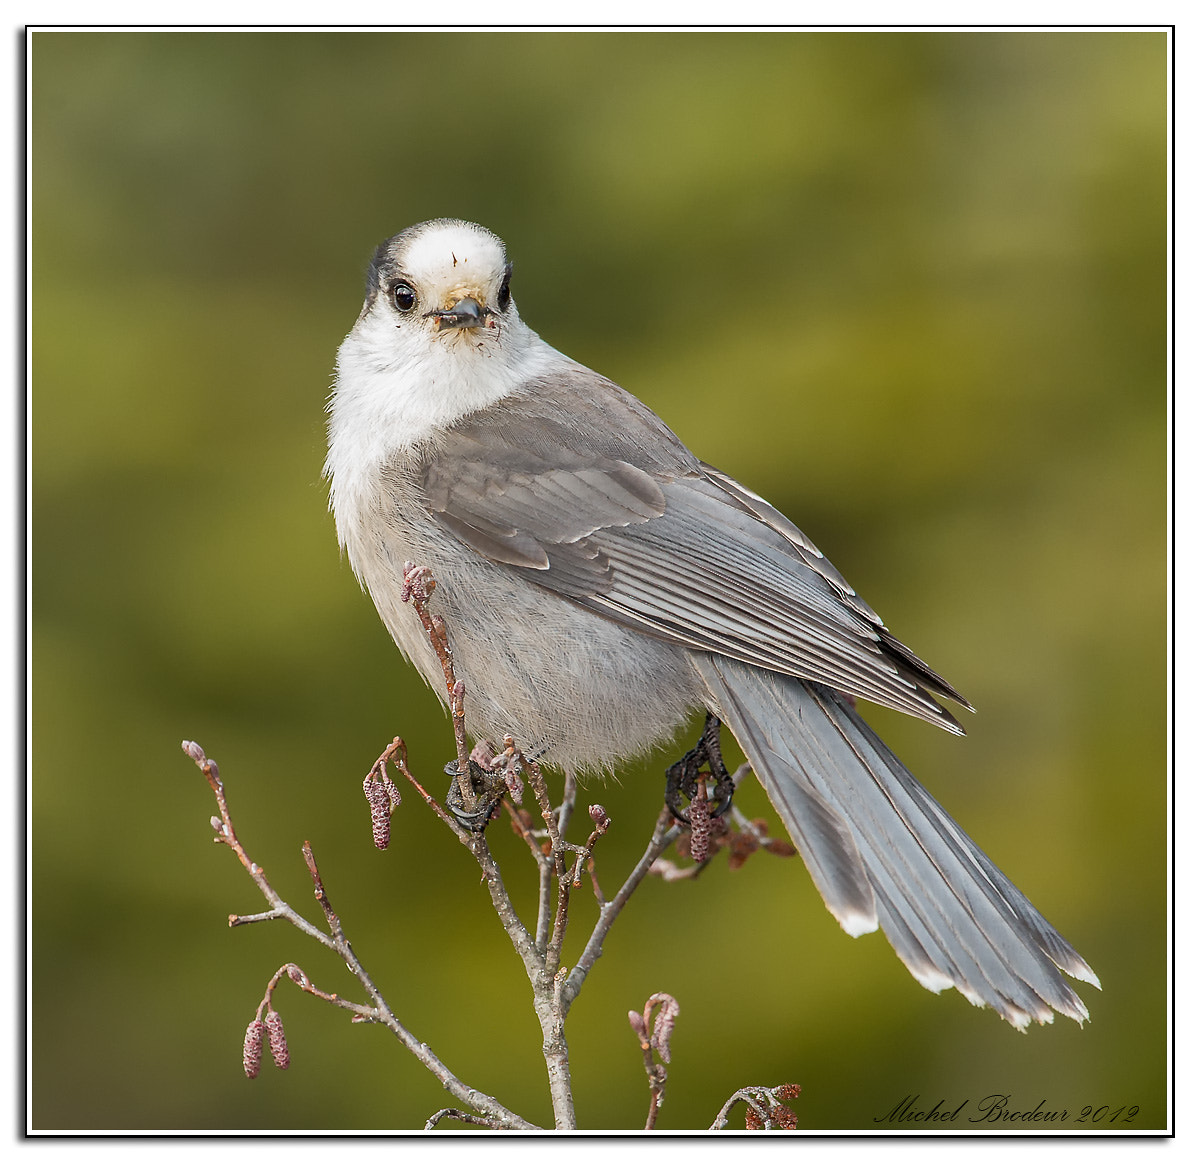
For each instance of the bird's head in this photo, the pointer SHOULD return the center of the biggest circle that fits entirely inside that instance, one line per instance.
(442, 280)
(438, 337)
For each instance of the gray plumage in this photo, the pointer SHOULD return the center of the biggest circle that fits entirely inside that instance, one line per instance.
(600, 584)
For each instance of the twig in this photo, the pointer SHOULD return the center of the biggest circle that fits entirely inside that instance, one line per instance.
(665, 834)
(477, 846)
(226, 834)
(462, 1117)
(418, 587)
(600, 820)
(541, 792)
(554, 988)
(546, 987)
(459, 831)
(542, 953)
(522, 824)
(764, 1110)
(656, 1043)
(378, 1011)
(567, 882)
(567, 807)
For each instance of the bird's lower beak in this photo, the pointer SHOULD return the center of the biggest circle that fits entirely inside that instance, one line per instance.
(464, 313)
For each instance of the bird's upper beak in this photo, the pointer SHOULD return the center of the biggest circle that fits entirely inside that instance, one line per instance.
(465, 313)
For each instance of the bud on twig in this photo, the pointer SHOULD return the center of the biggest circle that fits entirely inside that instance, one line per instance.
(297, 975)
(664, 1026)
(418, 583)
(516, 788)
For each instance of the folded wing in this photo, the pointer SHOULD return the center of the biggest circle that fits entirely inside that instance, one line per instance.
(641, 532)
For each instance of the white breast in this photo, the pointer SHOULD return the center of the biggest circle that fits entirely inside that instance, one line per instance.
(396, 390)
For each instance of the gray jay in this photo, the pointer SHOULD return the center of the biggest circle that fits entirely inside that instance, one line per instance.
(600, 585)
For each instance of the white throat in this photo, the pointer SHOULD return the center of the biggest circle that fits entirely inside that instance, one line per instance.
(398, 388)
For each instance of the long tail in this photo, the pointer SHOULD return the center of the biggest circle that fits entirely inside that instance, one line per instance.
(882, 851)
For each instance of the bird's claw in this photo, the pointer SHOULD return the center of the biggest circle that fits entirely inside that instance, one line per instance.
(683, 777)
(487, 790)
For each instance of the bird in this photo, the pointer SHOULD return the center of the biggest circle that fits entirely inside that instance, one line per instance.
(601, 585)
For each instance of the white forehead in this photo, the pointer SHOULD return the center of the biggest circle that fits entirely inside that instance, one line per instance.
(453, 253)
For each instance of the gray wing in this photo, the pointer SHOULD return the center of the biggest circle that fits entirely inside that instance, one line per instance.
(622, 519)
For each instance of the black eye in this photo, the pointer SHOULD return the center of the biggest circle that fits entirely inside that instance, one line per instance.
(404, 296)
(504, 295)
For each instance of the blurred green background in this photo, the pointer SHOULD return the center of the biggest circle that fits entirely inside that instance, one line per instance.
(910, 286)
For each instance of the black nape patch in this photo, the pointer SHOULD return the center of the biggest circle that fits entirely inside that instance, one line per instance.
(379, 270)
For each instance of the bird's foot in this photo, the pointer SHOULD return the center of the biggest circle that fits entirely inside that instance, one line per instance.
(683, 778)
(487, 788)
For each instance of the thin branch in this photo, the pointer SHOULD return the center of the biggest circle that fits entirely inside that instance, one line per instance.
(236, 919)
(462, 1117)
(539, 955)
(226, 834)
(568, 882)
(418, 587)
(665, 834)
(522, 824)
(559, 931)
(477, 846)
(480, 785)
(546, 997)
(656, 1043)
(379, 1011)
(765, 1109)
(567, 807)
(546, 880)
(541, 792)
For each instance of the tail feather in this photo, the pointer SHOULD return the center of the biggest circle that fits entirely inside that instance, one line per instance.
(884, 853)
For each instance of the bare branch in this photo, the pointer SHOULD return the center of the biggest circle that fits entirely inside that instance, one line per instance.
(541, 792)
(539, 960)
(378, 1011)
(227, 835)
(764, 1108)
(656, 1043)
(665, 834)
(482, 782)
(418, 588)
(462, 1117)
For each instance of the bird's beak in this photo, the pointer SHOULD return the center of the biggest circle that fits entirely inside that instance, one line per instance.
(464, 313)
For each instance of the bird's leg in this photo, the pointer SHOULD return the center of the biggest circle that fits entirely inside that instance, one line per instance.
(683, 776)
(724, 785)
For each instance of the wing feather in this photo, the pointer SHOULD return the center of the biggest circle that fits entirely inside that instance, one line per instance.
(632, 526)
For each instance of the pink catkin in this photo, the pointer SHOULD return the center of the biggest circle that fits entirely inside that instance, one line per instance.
(381, 812)
(277, 1040)
(700, 820)
(252, 1047)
